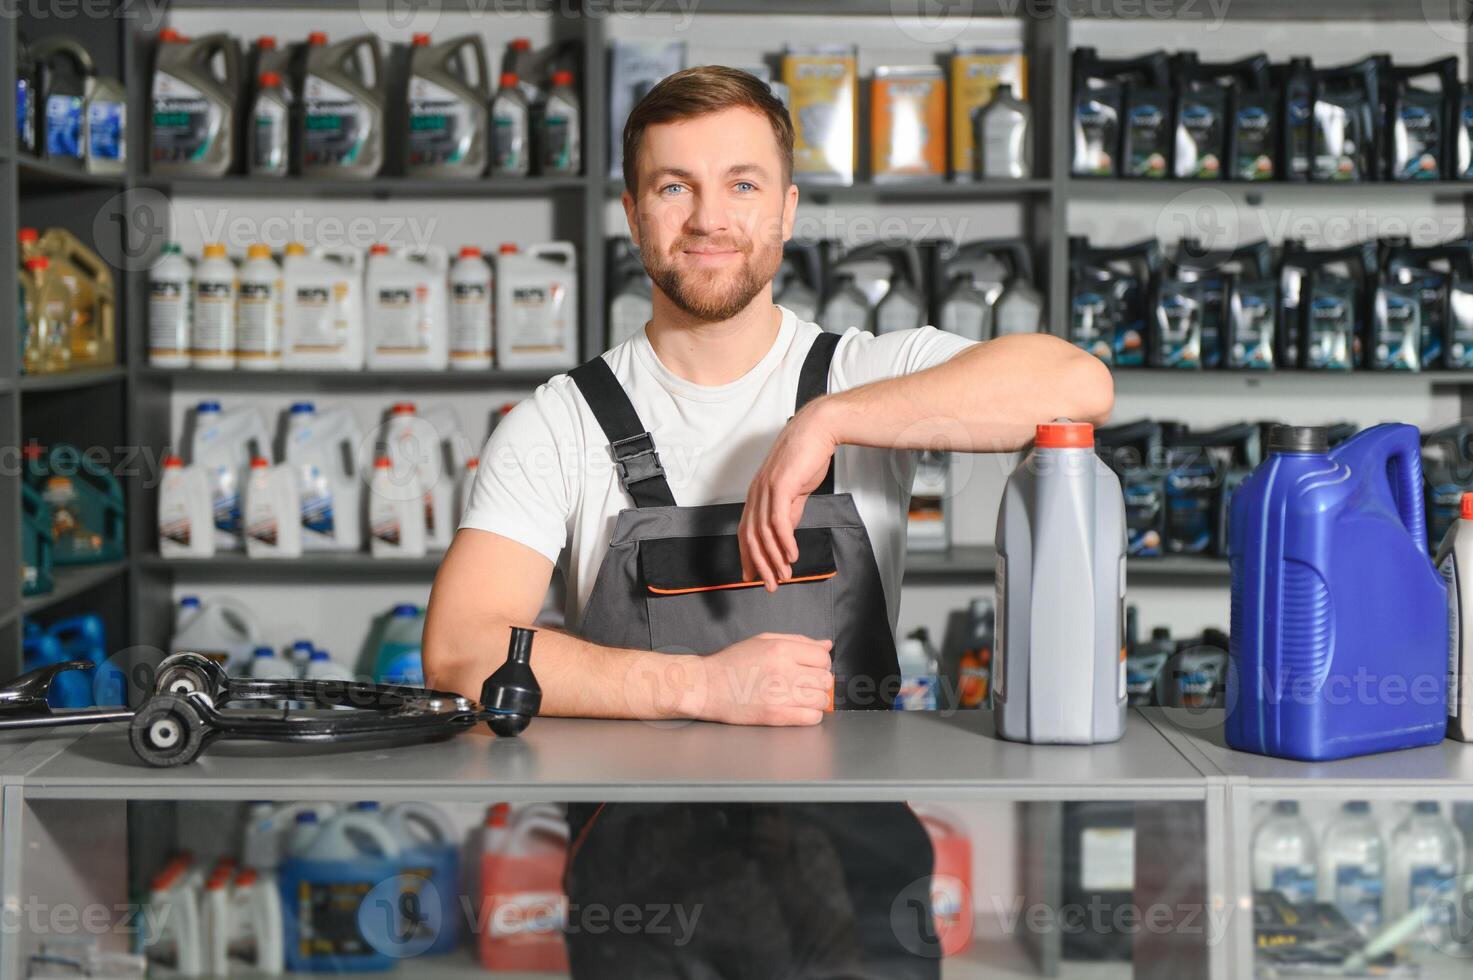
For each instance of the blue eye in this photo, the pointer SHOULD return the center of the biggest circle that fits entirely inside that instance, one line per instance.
(668, 188)
(746, 185)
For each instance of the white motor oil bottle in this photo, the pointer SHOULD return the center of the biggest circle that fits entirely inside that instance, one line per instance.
(537, 306)
(1059, 674)
(272, 525)
(471, 344)
(432, 445)
(396, 512)
(220, 629)
(1455, 561)
(258, 312)
(322, 450)
(406, 308)
(216, 287)
(186, 519)
(322, 309)
(170, 308)
(224, 443)
(255, 940)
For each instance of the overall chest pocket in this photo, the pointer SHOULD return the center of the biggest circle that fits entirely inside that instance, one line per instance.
(698, 601)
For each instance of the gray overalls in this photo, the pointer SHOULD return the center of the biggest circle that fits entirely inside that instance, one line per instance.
(782, 890)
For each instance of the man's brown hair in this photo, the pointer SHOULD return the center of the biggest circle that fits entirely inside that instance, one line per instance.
(697, 91)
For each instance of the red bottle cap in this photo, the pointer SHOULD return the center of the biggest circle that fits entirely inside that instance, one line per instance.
(382, 463)
(27, 235)
(38, 262)
(402, 408)
(169, 34)
(1065, 435)
(521, 44)
(269, 79)
(266, 42)
(173, 463)
(420, 41)
(470, 252)
(508, 79)
(378, 250)
(1467, 507)
(260, 463)
(498, 815)
(317, 38)
(562, 78)
(507, 248)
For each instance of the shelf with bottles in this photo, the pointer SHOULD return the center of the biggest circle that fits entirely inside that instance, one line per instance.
(380, 187)
(71, 380)
(34, 173)
(328, 566)
(968, 561)
(376, 380)
(1256, 193)
(71, 581)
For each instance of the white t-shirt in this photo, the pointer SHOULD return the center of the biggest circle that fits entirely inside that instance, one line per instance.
(547, 479)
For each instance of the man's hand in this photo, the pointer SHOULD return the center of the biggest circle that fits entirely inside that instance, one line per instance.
(769, 679)
(793, 469)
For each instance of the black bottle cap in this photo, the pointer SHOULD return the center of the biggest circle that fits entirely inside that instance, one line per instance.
(1298, 439)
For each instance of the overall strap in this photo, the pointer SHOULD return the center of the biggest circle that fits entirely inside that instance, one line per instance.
(635, 456)
(813, 380)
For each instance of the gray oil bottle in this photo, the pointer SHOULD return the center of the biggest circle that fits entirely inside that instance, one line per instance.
(65, 73)
(798, 279)
(1019, 309)
(1004, 135)
(342, 112)
(559, 128)
(632, 302)
(846, 306)
(1420, 139)
(449, 87)
(195, 86)
(978, 275)
(511, 130)
(1059, 672)
(965, 310)
(269, 139)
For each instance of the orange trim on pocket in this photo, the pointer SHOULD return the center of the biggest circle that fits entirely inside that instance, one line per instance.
(740, 585)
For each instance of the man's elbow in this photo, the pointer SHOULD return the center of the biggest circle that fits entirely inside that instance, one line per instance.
(1088, 386)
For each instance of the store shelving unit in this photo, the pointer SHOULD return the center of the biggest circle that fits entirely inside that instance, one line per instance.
(1164, 759)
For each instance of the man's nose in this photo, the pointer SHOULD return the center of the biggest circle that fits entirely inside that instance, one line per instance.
(709, 216)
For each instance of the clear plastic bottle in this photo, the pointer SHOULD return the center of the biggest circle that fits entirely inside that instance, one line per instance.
(1353, 866)
(1425, 867)
(1284, 854)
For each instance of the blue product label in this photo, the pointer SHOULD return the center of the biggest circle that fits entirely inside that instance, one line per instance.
(317, 515)
(64, 126)
(1295, 882)
(1358, 895)
(23, 110)
(105, 130)
(1189, 511)
(227, 512)
(1444, 506)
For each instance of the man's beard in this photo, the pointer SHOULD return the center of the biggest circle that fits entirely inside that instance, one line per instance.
(711, 295)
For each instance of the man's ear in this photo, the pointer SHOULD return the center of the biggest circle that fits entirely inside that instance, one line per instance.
(790, 210)
(627, 200)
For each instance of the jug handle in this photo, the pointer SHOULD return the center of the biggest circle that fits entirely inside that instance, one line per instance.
(225, 44)
(483, 74)
(1396, 450)
(375, 56)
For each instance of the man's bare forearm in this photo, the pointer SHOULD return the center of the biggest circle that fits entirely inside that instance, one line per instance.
(987, 398)
(578, 678)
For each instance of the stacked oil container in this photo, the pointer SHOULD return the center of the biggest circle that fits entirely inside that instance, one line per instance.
(1156, 116)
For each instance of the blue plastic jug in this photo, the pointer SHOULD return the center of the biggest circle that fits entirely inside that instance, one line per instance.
(399, 659)
(1339, 619)
(76, 638)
